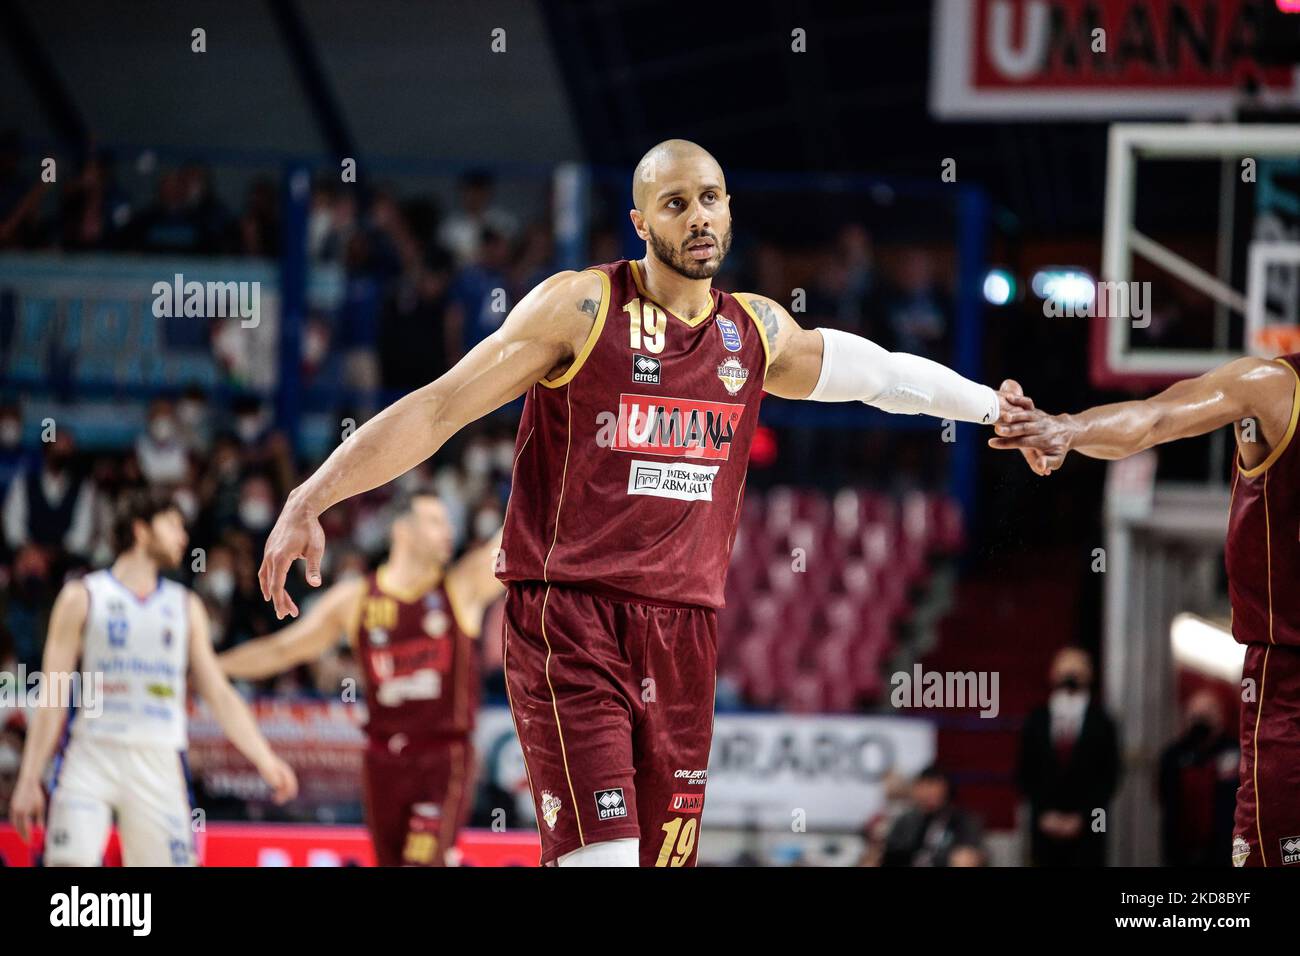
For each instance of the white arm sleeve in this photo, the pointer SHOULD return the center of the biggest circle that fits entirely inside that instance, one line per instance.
(857, 369)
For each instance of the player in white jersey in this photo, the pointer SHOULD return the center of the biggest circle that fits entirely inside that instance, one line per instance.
(123, 754)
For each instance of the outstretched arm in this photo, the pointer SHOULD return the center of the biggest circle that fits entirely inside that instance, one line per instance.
(542, 334)
(829, 365)
(1244, 388)
(473, 585)
(232, 714)
(303, 640)
(62, 649)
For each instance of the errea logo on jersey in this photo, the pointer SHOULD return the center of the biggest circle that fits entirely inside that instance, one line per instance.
(677, 427)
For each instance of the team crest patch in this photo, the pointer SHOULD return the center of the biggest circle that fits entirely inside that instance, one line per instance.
(610, 804)
(645, 370)
(1290, 847)
(1240, 851)
(730, 335)
(550, 808)
(733, 375)
(435, 623)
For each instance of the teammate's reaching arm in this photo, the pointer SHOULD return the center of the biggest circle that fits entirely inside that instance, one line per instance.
(1244, 388)
(541, 335)
(303, 640)
(472, 580)
(62, 651)
(230, 711)
(828, 365)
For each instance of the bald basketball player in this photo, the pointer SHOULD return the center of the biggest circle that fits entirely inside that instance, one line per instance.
(643, 385)
(414, 624)
(1259, 398)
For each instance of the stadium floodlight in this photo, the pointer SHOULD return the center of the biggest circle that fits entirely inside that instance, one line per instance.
(999, 287)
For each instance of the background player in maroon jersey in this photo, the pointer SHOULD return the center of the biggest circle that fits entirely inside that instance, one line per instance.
(413, 623)
(1261, 400)
(643, 384)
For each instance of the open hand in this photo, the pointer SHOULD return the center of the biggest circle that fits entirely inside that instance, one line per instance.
(1042, 438)
(297, 534)
(1015, 407)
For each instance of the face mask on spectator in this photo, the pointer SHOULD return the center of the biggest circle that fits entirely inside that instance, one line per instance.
(162, 429)
(188, 502)
(255, 514)
(486, 524)
(221, 585)
(190, 413)
(504, 455)
(478, 461)
(248, 428)
(11, 433)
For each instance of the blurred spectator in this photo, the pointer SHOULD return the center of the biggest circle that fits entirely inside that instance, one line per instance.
(257, 508)
(933, 829)
(14, 458)
(1069, 767)
(916, 313)
(259, 224)
(21, 193)
(480, 297)
(205, 208)
(53, 506)
(262, 446)
(412, 341)
(462, 232)
(160, 450)
(172, 224)
(193, 422)
(31, 591)
(1198, 787)
(94, 209)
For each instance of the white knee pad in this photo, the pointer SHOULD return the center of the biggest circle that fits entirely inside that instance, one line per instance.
(625, 852)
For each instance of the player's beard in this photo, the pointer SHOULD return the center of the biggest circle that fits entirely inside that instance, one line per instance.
(681, 263)
(160, 556)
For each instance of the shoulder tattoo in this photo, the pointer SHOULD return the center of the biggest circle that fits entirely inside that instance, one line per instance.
(767, 315)
(590, 306)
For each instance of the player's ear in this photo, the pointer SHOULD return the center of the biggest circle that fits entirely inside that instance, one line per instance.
(638, 222)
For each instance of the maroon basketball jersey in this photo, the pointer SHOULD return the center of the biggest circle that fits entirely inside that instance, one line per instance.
(1263, 547)
(420, 664)
(629, 467)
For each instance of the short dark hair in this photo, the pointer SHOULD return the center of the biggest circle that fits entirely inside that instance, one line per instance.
(138, 504)
(400, 504)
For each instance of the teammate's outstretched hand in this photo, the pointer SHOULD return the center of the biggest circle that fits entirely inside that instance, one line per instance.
(1042, 438)
(297, 534)
(280, 777)
(27, 808)
(1015, 406)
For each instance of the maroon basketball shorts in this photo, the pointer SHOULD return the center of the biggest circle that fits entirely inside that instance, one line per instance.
(1266, 831)
(613, 704)
(417, 800)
